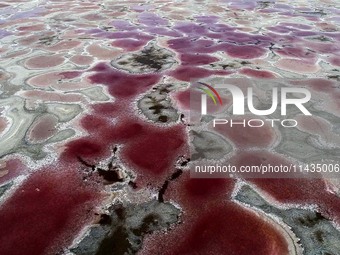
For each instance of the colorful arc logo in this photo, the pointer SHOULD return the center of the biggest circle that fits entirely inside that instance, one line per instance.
(211, 92)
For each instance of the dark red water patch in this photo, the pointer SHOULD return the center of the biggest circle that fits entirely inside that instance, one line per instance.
(123, 25)
(182, 99)
(128, 44)
(224, 229)
(192, 45)
(147, 149)
(190, 28)
(233, 229)
(197, 59)
(125, 130)
(192, 193)
(121, 84)
(188, 73)
(257, 73)
(214, 35)
(221, 28)
(152, 19)
(163, 31)
(100, 67)
(156, 150)
(49, 208)
(335, 61)
(292, 190)
(89, 149)
(107, 109)
(93, 123)
(204, 43)
(205, 188)
(245, 52)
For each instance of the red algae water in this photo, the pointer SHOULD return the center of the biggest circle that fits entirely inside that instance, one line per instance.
(97, 140)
